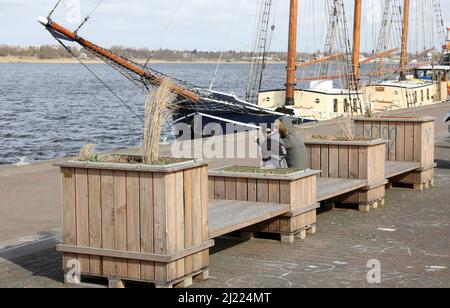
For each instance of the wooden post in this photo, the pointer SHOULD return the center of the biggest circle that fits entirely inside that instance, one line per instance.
(404, 57)
(357, 42)
(292, 54)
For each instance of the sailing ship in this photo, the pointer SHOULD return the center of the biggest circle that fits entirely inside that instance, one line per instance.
(322, 100)
(370, 92)
(416, 85)
(199, 107)
(195, 106)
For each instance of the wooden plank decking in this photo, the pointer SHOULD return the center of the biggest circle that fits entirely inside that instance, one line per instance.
(395, 168)
(229, 216)
(328, 188)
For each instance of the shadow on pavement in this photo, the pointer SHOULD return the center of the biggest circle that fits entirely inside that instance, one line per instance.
(443, 164)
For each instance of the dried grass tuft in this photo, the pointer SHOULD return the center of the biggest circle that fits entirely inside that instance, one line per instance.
(158, 108)
(87, 152)
(346, 128)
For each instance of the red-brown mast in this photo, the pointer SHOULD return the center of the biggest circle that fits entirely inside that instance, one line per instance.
(404, 56)
(292, 54)
(357, 41)
(154, 79)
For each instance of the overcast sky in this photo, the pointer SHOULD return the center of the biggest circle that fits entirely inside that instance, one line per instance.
(199, 24)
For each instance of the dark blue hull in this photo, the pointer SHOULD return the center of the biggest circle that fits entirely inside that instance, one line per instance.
(228, 113)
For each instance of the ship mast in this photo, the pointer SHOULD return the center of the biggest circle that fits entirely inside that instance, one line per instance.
(292, 54)
(404, 55)
(107, 55)
(357, 42)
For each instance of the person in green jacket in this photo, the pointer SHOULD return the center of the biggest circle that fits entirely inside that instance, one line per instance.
(297, 155)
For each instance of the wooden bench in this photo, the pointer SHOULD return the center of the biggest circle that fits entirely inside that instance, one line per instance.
(229, 216)
(261, 193)
(328, 189)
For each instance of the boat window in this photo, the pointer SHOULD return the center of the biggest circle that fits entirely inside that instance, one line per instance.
(317, 101)
(355, 104)
(336, 106)
(422, 98)
(428, 94)
(346, 105)
(445, 60)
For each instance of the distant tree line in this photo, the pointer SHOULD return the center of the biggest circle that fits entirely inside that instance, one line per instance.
(57, 52)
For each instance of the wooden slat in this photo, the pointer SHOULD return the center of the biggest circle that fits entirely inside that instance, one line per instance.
(376, 130)
(252, 190)
(219, 188)
(419, 143)
(386, 135)
(315, 157)
(400, 146)
(344, 168)
(359, 129)
(108, 218)
(230, 188)
(95, 220)
(129, 255)
(394, 169)
(229, 216)
(324, 161)
(82, 214)
(120, 229)
(188, 219)
(180, 220)
(69, 211)
(147, 220)
(241, 189)
(160, 228)
(353, 162)
(363, 163)
(392, 146)
(262, 191)
(285, 193)
(197, 216)
(331, 188)
(333, 161)
(274, 191)
(205, 217)
(133, 222)
(171, 223)
(409, 142)
(211, 188)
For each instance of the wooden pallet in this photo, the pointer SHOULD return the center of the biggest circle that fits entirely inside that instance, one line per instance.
(90, 281)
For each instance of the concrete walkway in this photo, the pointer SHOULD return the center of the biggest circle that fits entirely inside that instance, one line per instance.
(409, 236)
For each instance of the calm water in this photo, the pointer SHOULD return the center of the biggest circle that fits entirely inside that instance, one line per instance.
(49, 110)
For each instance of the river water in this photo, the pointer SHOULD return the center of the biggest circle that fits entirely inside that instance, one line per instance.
(49, 111)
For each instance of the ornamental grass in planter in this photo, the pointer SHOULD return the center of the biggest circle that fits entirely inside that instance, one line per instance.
(136, 218)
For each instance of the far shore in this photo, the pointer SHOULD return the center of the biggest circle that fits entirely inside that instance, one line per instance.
(35, 60)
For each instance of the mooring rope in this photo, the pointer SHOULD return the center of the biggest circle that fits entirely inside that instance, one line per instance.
(219, 62)
(101, 81)
(166, 29)
(54, 9)
(86, 19)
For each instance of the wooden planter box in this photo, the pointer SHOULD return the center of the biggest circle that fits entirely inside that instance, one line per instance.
(298, 190)
(410, 140)
(359, 160)
(136, 223)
